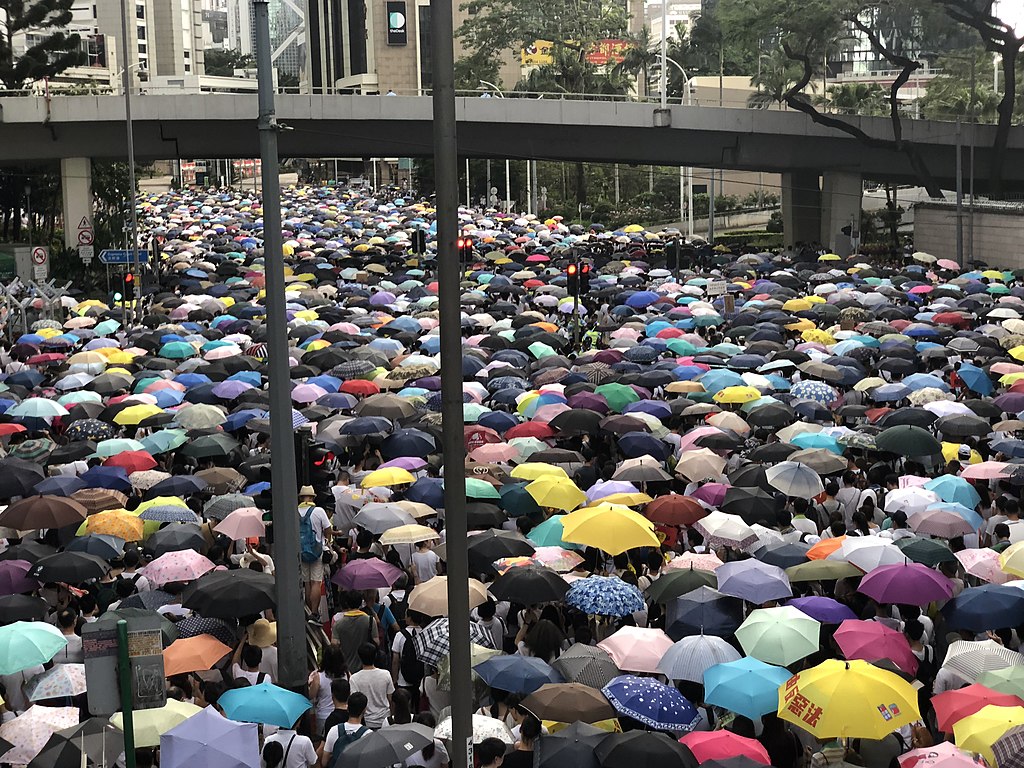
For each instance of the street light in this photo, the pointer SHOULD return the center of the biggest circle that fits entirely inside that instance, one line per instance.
(508, 180)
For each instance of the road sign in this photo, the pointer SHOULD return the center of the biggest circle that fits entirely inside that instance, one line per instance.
(86, 253)
(123, 257)
(145, 651)
(715, 288)
(40, 263)
(38, 255)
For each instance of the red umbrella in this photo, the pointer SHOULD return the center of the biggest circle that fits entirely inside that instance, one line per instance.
(953, 706)
(530, 429)
(722, 745)
(131, 461)
(360, 387)
(675, 509)
(872, 640)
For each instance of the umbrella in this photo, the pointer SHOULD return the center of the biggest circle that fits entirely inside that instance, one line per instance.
(148, 725)
(573, 745)
(531, 585)
(622, 750)
(703, 610)
(973, 658)
(229, 594)
(753, 581)
(780, 635)
(516, 674)
(432, 643)
(824, 609)
(370, 573)
(722, 745)
(953, 706)
(586, 664)
(264, 703)
(746, 686)
(29, 732)
(690, 657)
(848, 699)
(794, 479)
(610, 528)
(603, 596)
(483, 727)
(985, 607)
(568, 702)
(675, 583)
(181, 565)
(907, 584)
(25, 644)
(654, 704)
(242, 523)
(192, 654)
(209, 740)
(388, 746)
(431, 597)
(636, 649)
(871, 641)
(14, 578)
(36, 512)
(978, 732)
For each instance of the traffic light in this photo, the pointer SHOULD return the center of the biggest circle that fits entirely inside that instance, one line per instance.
(585, 277)
(419, 241)
(572, 272)
(124, 288)
(465, 247)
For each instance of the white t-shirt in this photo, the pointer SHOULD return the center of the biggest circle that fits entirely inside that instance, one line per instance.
(318, 520)
(299, 752)
(268, 663)
(332, 735)
(398, 647)
(425, 562)
(377, 685)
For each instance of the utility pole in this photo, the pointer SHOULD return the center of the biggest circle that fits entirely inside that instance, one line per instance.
(446, 175)
(126, 84)
(290, 608)
(959, 196)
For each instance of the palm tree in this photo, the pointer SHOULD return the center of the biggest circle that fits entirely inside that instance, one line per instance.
(643, 55)
(775, 76)
(856, 99)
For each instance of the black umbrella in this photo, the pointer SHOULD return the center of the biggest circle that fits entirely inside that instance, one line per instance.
(29, 551)
(908, 440)
(388, 746)
(579, 421)
(772, 452)
(176, 537)
(18, 477)
(752, 504)
(703, 611)
(485, 548)
(783, 556)
(530, 585)
(963, 425)
(636, 748)
(210, 446)
(69, 567)
(230, 594)
(22, 608)
(572, 746)
(677, 582)
(918, 417)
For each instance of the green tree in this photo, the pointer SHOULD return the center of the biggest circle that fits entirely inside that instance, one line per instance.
(856, 99)
(949, 96)
(478, 66)
(776, 74)
(224, 63)
(48, 53)
(642, 56)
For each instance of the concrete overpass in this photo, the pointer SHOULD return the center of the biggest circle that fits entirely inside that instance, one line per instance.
(223, 125)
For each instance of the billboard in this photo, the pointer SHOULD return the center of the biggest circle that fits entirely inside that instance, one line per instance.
(537, 54)
(608, 51)
(398, 22)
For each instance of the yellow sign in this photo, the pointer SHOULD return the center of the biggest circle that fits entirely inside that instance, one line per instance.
(537, 54)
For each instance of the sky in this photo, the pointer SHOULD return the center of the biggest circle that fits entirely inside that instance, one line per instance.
(1013, 12)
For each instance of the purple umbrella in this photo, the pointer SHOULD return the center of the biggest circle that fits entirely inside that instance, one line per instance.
(712, 494)
(753, 581)
(823, 609)
(589, 401)
(381, 299)
(371, 573)
(14, 578)
(410, 463)
(307, 393)
(906, 584)
(230, 389)
(608, 487)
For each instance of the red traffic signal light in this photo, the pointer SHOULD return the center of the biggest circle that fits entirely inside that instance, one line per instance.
(586, 268)
(571, 269)
(129, 278)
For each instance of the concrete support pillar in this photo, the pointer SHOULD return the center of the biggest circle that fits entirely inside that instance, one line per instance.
(76, 188)
(801, 207)
(840, 208)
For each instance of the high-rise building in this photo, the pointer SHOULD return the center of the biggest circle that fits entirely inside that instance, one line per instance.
(287, 34)
(678, 13)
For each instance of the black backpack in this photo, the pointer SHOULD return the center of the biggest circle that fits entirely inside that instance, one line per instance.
(344, 739)
(409, 664)
(400, 608)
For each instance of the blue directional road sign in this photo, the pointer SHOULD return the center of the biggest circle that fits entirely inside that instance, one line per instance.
(123, 257)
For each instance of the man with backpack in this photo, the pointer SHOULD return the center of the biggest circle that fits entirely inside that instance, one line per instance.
(314, 527)
(406, 669)
(341, 736)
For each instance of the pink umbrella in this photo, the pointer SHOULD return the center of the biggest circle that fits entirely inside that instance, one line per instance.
(494, 453)
(983, 563)
(243, 523)
(712, 494)
(872, 640)
(940, 522)
(987, 470)
(688, 441)
(723, 745)
(947, 264)
(411, 463)
(636, 649)
(308, 393)
(181, 565)
(556, 558)
(907, 584)
(944, 755)
(546, 413)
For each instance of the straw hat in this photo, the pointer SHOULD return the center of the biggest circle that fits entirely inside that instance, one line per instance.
(263, 633)
(307, 490)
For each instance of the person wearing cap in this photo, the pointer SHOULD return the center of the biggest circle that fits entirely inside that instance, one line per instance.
(313, 572)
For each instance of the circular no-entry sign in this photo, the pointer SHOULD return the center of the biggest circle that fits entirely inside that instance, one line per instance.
(39, 255)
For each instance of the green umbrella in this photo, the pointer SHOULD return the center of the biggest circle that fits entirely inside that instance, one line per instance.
(540, 350)
(822, 570)
(471, 412)
(908, 440)
(673, 583)
(549, 534)
(781, 636)
(926, 551)
(107, 327)
(164, 441)
(114, 446)
(480, 489)
(1007, 680)
(25, 644)
(618, 396)
(177, 350)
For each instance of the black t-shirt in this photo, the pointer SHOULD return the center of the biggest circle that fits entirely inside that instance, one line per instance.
(518, 758)
(333, 719)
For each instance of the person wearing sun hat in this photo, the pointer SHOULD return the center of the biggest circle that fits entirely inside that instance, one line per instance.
(263, 634)
(311, 562)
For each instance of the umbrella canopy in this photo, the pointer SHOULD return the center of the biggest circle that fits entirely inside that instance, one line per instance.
(654, 704)
(210, 739)
(264, 703)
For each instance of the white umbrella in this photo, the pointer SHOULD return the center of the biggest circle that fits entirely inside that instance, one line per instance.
(483, 728)
(794, 479)
(910, 500)
(970, 658)
(720, 528)
(690, 657)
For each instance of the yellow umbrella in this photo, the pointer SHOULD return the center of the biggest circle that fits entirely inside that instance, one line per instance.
(115, 522)
(737, 394)
(387, 477)
(149, 725)
(87, 358)
(1012, 559)
(556, 492)
(431, 597)
(531, 470)
(830, 257)
(133, 415)
(1011, 378)
(849, 700)
(869, 383)
(818, 336)
(803, 324)
(160, 501)
(409, 534)
(627, 499)
(796, 305)
(609, 527)
(978, 732)
(951, 452)
(631, 228)
(992, 274)
(1017, 353)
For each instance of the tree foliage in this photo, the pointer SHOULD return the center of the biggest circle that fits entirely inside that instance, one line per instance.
(224, 63)
(640, 59)
(856, 99)
(51, 51)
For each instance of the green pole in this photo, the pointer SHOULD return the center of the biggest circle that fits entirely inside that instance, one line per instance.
(124, 674)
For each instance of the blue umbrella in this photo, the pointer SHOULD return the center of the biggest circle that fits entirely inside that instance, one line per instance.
(604, 596)
(642, 299)
(427, 490)
(748, 687)
(990, 606)
(818, 440)
(817, 391)
(264, 703)
(59, 485)
(636, 444)
(178, 485)
(111, 478)
(975, 378)
(408, 442)
(918, 381)
(516, 674)
(953, 489)
(654, 704)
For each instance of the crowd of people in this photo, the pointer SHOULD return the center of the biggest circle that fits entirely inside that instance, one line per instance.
(724, 506)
